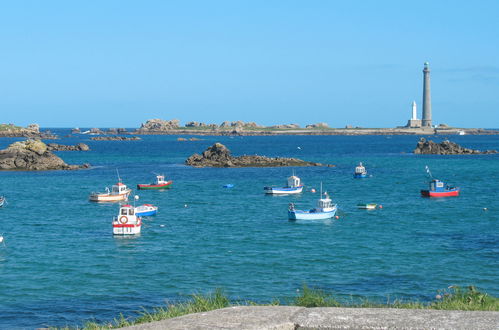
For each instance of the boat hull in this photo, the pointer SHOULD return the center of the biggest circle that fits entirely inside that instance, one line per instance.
(283, 191)
(154, 186)
(360, 175)
(307, 215)
(109, 197)
(367, 206)
(146, 211)
(448, 193)
(127, 229)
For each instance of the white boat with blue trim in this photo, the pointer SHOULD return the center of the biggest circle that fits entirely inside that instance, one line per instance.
(325, 210)
(294, 186)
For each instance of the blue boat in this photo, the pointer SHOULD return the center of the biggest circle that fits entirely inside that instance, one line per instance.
(146, 210)
(360, 172)
(294, 187)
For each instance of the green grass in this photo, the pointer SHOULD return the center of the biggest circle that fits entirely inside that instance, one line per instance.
(5, 127)
(454, 298)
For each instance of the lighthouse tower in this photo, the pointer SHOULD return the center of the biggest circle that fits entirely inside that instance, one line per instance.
(426, 122)
(414, 122)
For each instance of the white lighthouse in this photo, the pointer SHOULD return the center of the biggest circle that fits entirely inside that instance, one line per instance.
(414, 111)
(414, 121)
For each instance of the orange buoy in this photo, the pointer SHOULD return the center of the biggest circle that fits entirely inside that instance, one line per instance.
(381, 206)
(336, 217)
(312, 190)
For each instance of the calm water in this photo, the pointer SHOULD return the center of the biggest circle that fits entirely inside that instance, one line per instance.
(61, 265)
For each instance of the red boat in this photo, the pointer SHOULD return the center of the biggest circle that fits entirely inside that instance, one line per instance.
(159, 184)
(440, 189)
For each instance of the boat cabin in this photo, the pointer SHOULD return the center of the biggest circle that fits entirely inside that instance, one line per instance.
(160, 179)
(127, 210)
(325, 203)
(360, 169)
(119, 189)
(294, 181)
(438, 186)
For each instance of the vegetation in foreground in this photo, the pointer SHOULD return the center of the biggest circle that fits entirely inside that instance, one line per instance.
(454, 298)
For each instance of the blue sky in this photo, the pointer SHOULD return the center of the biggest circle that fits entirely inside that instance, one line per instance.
(119, 63)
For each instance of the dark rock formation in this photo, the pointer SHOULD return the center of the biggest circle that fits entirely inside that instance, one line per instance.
(115, 138)
(219, 156)
(32, 155)
(62, 147)
(445, 148)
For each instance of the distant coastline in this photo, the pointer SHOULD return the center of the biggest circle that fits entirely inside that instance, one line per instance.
(239, 128)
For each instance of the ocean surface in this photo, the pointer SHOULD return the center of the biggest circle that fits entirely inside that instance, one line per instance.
(60, 264)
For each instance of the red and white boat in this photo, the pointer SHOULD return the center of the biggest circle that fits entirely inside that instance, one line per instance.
(127, 222)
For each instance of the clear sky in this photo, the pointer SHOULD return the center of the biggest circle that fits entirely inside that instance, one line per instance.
(116, 63)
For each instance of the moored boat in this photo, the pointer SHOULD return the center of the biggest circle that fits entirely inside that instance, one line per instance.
(325, 209)
(127, 222)
(369, 206)
(294, 186)
(146, 210)
(360, 172)
(2, 200)
(439, 188)
(160, 183)
(119, 192)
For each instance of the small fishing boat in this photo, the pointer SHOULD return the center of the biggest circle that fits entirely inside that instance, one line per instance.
(159, 184)
(438, 188)
(360, 172)
(119, 192)
(127, 222)
(325, 210)
(228, 185)
(369, 206)
(294, 186)
(146, 210)
(2, 200)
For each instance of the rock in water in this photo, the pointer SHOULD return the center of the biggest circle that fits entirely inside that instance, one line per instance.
(446, 148)
(219, 155)
(62, 147)
(32, 155)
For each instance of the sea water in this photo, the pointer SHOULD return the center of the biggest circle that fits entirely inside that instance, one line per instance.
(61, 265)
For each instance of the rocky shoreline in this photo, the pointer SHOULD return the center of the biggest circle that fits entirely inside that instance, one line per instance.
(428, 147)
(115, 138)
(33, 155)
(219, 155)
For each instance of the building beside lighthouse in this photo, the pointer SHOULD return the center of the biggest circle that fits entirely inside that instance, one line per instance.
(425, 122)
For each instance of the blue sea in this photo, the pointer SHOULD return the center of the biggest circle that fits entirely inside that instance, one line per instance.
(60, 264)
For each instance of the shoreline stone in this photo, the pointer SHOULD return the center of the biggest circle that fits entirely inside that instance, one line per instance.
(62, 147)
(219, 155)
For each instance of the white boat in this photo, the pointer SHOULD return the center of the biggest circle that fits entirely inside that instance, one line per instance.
(119, 192)
(2, 201)
(127, 222)
(294, 186)
(360, 171)
(325, 210)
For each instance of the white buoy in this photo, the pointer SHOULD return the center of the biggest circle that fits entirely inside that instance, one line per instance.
(298, 148)
(185, 205)
(312, 190)
(136, 197)
(161, 225)
(1, 239)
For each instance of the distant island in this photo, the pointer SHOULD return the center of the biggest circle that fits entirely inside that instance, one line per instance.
(173, 127)
(239, 128)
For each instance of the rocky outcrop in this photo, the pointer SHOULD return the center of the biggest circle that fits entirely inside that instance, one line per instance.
(286, 126)
(62, 147)
(31, 131)
(318, 125)
(115, 138)
(219, 155)
(426, 147)
(32, 155)
(158, 125)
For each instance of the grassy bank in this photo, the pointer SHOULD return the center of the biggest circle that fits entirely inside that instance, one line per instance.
(454, 298)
